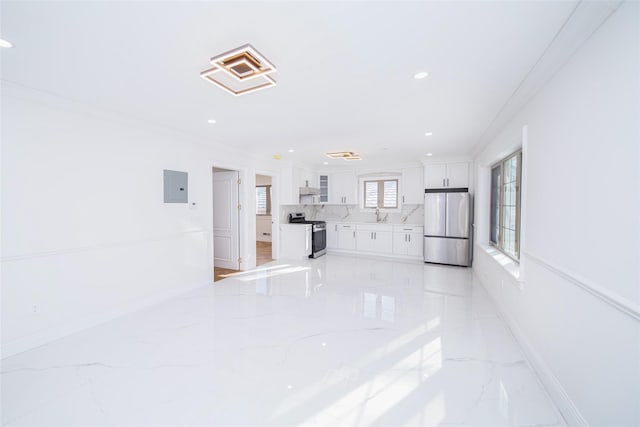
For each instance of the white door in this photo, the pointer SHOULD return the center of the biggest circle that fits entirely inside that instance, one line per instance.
(225, 220)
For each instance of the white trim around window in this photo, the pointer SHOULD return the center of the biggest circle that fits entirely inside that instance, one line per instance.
(379, 193)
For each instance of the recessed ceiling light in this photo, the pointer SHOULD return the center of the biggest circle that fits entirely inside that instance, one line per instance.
(291, 150)
(5, 43)
(428, 133)
(211, 121)
(429, 154)
(420, 75)
(325, 163)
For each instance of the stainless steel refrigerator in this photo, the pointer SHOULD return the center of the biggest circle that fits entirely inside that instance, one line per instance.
(447, 227)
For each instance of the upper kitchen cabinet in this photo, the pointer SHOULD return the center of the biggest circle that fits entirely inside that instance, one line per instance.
(291, 179)
(446, 175)
(412, 186)
(343, 188)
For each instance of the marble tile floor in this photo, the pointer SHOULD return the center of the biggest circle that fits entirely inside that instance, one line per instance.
(335, 341)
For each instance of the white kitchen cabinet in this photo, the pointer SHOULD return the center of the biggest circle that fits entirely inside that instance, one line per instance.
(458, 175)
(332, 235)
(343, 188)
(347, 236)
(295, 241)
(291, 179)
(412, 186)
(446, 175)
(375, 238)
(407, 240)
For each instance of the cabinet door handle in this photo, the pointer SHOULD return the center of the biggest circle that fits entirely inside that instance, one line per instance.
(402, 199)
(447, 182)
(409, 237)
(443, 184)
(375, 236)
(354, 234)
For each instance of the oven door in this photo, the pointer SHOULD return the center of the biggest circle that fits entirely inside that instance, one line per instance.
(318, 243)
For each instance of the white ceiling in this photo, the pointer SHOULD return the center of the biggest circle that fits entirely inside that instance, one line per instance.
(344, 68)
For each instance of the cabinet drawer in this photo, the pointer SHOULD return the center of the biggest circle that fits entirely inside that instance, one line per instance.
(407, 229)
(374, 227)
(346, 227)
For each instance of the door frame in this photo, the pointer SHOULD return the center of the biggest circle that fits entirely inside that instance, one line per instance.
(275, 212)
(242, 216)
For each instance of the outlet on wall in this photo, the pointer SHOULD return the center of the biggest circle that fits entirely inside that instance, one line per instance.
(34, 308)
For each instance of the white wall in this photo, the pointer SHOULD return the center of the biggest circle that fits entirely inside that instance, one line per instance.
(85, 233)
(577, 312)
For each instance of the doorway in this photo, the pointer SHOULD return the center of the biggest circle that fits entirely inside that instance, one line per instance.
(226, 222)
(264, 219)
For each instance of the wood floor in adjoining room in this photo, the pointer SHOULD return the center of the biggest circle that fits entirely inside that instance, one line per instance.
(263, 256)
(263, 253)
(220, 273)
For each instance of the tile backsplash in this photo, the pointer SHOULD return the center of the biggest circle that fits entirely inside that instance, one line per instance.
(409, 214)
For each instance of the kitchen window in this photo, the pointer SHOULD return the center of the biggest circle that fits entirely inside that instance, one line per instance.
(506, 177)
(381, 194)
(263, 200)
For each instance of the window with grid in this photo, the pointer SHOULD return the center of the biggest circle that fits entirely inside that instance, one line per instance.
(263, 200)
(505, 205)
(381, 194)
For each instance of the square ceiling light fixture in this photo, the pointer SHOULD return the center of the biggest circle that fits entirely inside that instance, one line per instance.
(241, 70)
(346, 155)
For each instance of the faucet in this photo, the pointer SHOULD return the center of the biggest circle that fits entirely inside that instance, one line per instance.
(378, 219)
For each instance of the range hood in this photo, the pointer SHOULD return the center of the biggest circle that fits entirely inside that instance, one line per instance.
(309, 191)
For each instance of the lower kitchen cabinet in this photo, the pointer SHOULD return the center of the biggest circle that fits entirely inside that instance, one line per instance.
(375, 238)
(397, 241)
(332, 235)
(347, 237)
(408, 240)
(295, 241)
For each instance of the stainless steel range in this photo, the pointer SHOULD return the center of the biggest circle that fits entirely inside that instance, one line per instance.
(318, 233)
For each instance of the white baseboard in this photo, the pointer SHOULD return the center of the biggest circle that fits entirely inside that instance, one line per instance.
(60, 331)
(568, 410)
(375, 255)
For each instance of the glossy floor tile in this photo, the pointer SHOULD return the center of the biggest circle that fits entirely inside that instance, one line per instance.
(336, 341)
